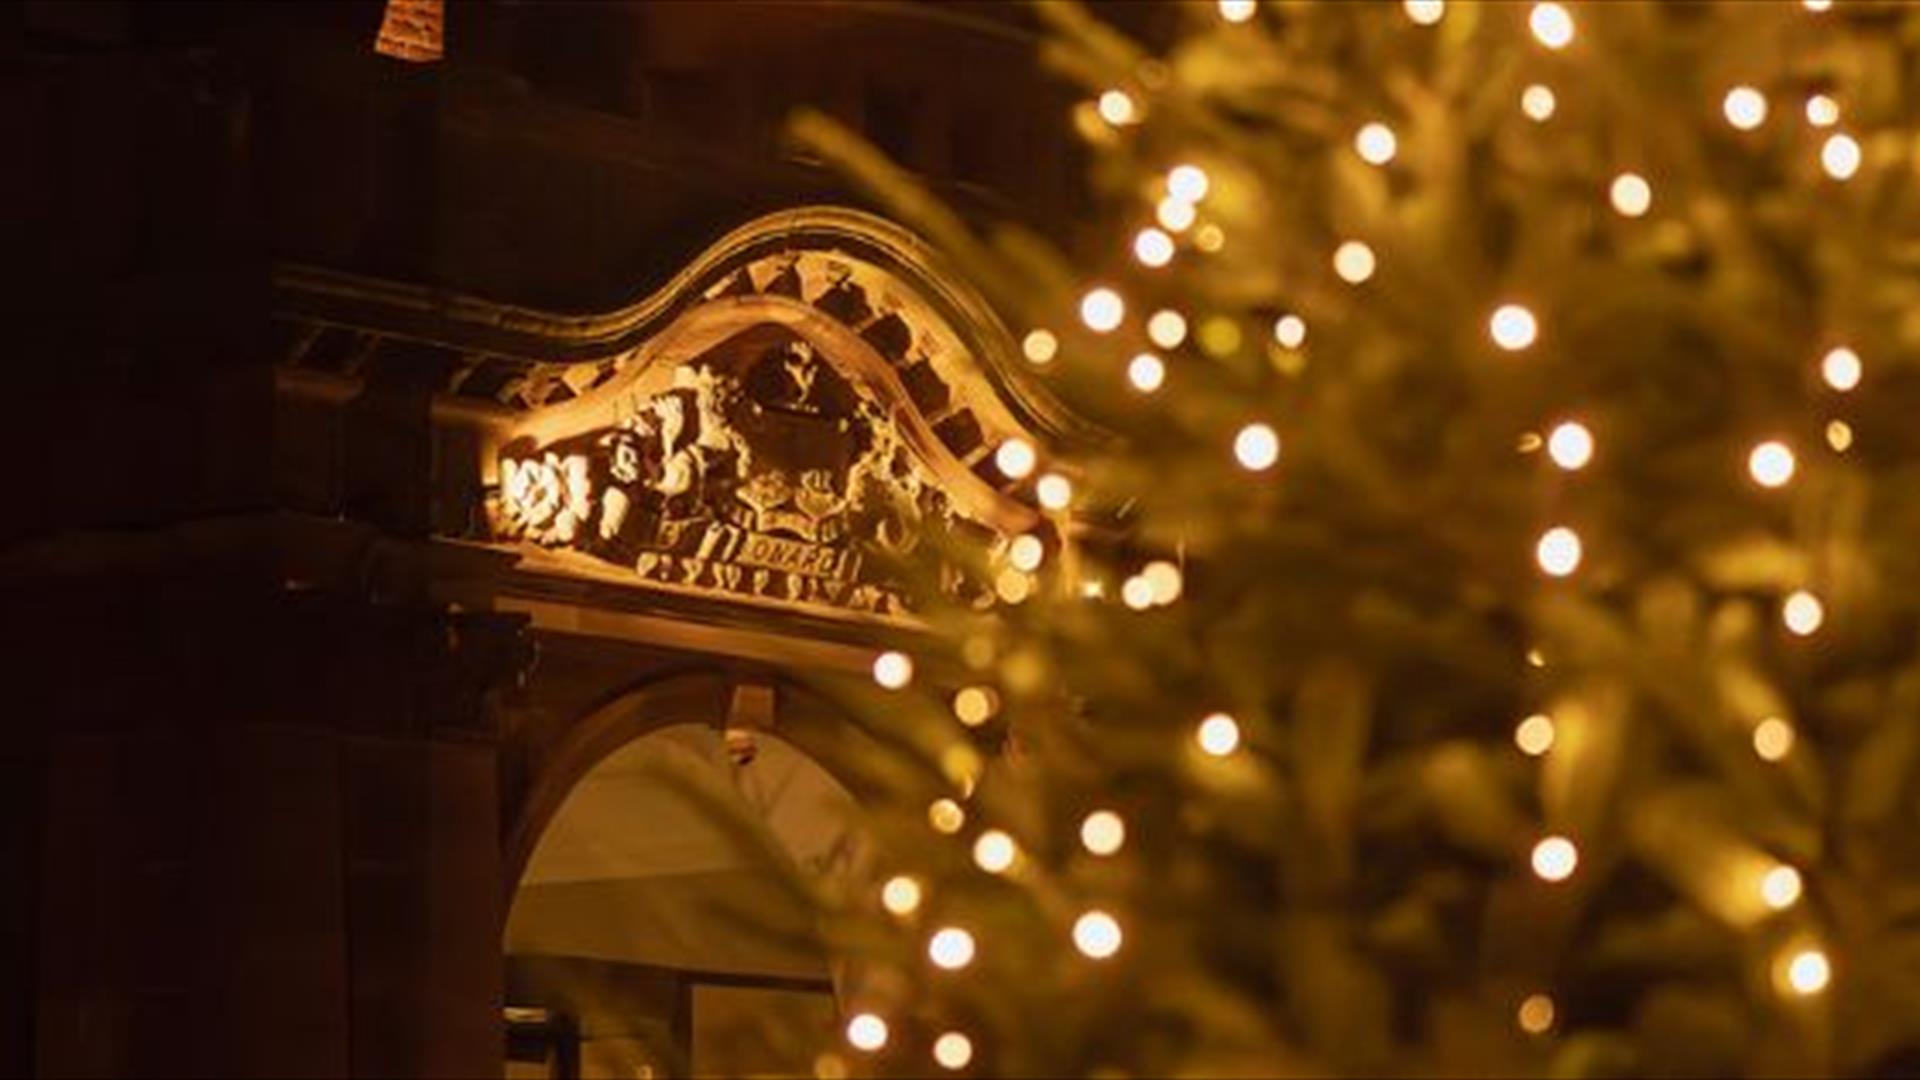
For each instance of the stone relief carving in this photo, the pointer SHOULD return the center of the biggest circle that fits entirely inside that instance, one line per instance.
(770, 476)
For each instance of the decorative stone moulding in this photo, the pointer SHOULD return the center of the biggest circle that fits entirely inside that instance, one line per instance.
(810, 397)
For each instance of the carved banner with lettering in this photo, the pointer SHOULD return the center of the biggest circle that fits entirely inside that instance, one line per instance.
(765, 474)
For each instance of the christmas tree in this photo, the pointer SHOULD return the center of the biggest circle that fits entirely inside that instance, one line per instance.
(1487, 641)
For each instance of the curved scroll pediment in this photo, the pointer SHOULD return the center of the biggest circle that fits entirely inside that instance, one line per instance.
(805, 398)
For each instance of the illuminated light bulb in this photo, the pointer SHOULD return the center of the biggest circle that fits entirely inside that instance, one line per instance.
(1771, 464)
(1146, 373)
(1773, 739)
(1012, 586)
(1117, 108)
(900, 895)
(1040, 347)
(1808, 972)
(1535, 1015)
(1210, 238)
(1780, 887)
(946, 816)
(1164, 579)
(1841, 369)
(1153, 248)
(1817, 6)
(1375, 143)
(1175, 213)
(950, 948)
(1015, 458)
(1558, 551)
(1840, 156)
(1555, 858)
(1097, 935)
(1537, 102)
(1534, 735)
(1256, 447)
(1093, 589)
(1839, 435)
(1236, 11)
(1103, 832)
(1513, 327)
(1536, 658)
(1026, 552)
(1425, 12)
(975, 705)
(867, 1032)
(1167, 328)
(1218, 735)
(1137, 593)
(1354, 262)
(953, 1051)
(1290, 331)
(1822, 111)
(1054, 491)
(1570, 445)
(1745, 107)
(1631, 195)
(893, 670)
(994, 851)
(1552, 25)
(1187, 183)
(1102, 309)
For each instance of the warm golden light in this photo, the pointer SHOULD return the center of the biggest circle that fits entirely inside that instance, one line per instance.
(1054, 491)
(1773, 739)
(1102, 309)
(1137, 593)
(1780, 887)
(1167, 328)
(1174, 213)
(1839, 435)
(1537, 102)
(1236, 11)
(1153, 248)
(1771, 464)
(1016, 458)
(1513, 327)
(950, 948)
(1535, 1015)
(1256, 447)
(1552, 25)
(1376, 144)
(1840, 156)
(1097, 935)
(893, 670)
(1555, 858)
(1745, 107)
(1040, 347)
(953, 1050)
(1570, 445)
(1209, 238)
(1354, 262)
(1631, 195)
(1841, 369)
(995, 851)
(900, 895)
(867, 1032)
(975, 705)
(1218, 735)
(1012, 586)
(1026, 552)
(1803, 613)
(1146, 373)
(1290, 331)
(1808, 972)
(1164, 579)
(1534, 735)
(1822, 111)
(1188, 183)
(1103, 832)
(1117, 108)
(1558, 551)
(1425, 12)
(946, 816)
(1817, 5)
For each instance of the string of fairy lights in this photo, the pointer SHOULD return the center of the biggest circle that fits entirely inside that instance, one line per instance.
(1570, 445)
